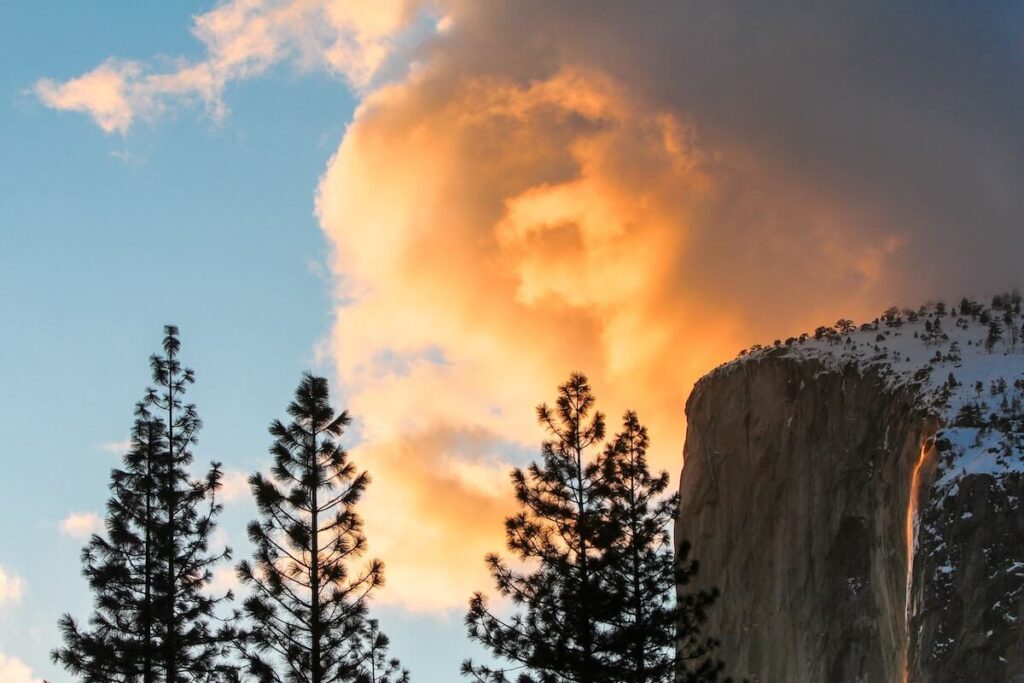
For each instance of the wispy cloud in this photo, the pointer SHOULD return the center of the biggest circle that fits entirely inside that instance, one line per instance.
(12, 588)
(80, 524)
(106, 93)
(115, 447)
(243, 39)
(128, 157)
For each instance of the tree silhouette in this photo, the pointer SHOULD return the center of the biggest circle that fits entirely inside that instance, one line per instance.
(120, 568)
(193, 647)
(154, 617)
(995, 333)
(556, 635)
(642, 573)
(308, 611)
(377, 665)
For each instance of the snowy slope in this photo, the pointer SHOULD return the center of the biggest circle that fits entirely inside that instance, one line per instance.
(966, 360)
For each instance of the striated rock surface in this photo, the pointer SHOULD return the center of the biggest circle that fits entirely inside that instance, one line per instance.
(856, 496)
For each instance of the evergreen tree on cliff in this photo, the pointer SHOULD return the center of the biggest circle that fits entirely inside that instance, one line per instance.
(642, 573)
(154, 618)
(308, 606)
(560, 535)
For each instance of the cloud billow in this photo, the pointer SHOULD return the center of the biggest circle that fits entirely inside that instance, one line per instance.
(635, 190)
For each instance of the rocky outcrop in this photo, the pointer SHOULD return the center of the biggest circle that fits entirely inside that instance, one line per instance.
(968, 574)
(857, 528)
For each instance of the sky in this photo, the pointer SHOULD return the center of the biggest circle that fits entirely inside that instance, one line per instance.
(446, 206)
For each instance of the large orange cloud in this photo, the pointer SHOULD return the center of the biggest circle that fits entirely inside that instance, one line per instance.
(492, 235)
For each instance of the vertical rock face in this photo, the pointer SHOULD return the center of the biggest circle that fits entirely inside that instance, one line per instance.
(794, 497)
(858, 528)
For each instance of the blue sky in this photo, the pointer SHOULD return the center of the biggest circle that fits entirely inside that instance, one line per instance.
(103, 239)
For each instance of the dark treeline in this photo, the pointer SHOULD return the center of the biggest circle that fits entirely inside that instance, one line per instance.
(594, 596)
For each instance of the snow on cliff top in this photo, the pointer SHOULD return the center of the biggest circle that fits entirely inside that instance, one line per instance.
(966, 360)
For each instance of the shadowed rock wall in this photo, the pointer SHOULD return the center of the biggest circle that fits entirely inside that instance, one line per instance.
(794, 496)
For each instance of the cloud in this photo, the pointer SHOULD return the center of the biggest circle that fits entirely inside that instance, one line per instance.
(234, 485)
(13, 670)
(635, 190)
(115, 447)
(128, 157)
(101, 93)
(437, 501)
(224, 579)
(242, 39)
(81, 524)
(12, 587)
(548, 257)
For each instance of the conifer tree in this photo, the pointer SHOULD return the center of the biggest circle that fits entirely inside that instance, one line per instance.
(560, 535)
(194, 645)
(377, 666)
(308, 607)
(155, 618)
(120, 568)
(995, 333)
(642, 572)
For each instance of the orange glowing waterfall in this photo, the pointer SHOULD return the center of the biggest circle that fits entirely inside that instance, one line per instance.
(911, 541)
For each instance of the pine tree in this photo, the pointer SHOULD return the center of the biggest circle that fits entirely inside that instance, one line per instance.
(556, 636)
(995, 333)
(1009, 320)
(193, 646)
(154, 617)
(377, 665)
(643, 574)
(844, 326)
(120, 570)
(308, 610)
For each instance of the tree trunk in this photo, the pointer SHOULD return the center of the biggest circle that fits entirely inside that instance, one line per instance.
(147, 617)
(587, 673)
(638, 604)
(314, 581)
(170, 637)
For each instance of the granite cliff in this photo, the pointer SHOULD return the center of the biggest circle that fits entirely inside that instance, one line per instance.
(855, 495)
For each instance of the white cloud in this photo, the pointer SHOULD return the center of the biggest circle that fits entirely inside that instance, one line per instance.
(243, 38)
(115, 447)
(13, 670)
(80, 524)
(12, 588)
(105, 93)
(224, 579)
(235, 485)
(128, 157)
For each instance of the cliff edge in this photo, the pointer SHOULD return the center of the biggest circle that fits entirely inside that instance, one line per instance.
(855, 495)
